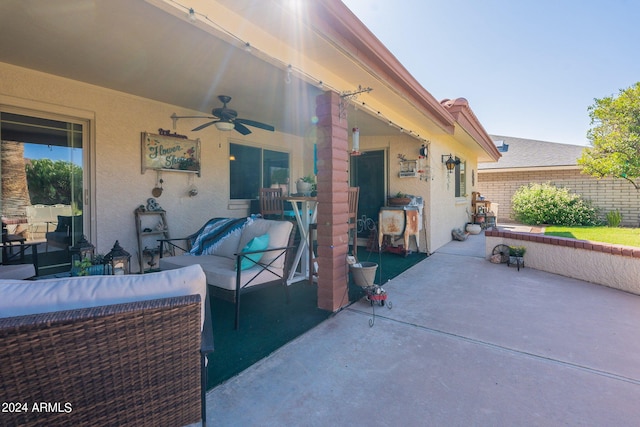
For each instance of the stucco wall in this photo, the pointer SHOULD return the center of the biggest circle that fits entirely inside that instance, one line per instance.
(447, 211)
(442, 210)
(614, 266)
(606, 194)
(117, 120)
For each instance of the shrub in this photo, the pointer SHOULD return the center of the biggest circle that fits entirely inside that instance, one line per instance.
(614, 218)
(535, 204)
(517, 250)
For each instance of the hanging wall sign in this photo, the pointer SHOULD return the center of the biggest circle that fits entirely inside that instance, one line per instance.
(170, 153)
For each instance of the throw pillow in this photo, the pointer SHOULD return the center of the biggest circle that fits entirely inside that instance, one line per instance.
(259, 243)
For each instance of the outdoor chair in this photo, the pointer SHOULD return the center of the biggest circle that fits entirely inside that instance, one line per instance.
(230, 253)
(271, 203)
(13, 264)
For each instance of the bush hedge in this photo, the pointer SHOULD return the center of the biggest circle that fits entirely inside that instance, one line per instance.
(536, 204)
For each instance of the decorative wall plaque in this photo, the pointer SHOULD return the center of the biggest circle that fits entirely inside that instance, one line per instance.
(170, 153)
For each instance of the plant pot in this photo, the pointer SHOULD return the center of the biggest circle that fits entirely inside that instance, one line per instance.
(304, 188)
(518, 261)
(398, 201)
(473, 228)
(364, 273)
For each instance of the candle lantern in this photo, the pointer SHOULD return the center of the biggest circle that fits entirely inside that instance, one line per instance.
(81, 250)
(119, 259)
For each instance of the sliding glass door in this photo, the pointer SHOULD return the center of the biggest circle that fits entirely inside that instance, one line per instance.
(43, 180)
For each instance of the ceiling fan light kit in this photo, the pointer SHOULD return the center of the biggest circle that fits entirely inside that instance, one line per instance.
(224, 126)
(225, 119)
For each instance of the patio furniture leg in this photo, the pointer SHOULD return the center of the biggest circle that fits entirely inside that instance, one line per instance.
(238, 274)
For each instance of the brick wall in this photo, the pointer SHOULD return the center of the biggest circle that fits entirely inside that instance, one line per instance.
(606, 194)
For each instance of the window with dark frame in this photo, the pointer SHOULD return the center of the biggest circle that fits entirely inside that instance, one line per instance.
(252, 168)
(461, 178)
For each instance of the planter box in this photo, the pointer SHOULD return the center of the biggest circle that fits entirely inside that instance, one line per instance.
(398, 201)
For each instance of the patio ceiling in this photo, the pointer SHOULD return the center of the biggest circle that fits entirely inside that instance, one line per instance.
(138, 48)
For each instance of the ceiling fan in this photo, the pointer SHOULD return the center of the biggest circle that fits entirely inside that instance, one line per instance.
(225, 119)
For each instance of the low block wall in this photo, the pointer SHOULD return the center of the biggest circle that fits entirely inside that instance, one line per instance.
(615, 266)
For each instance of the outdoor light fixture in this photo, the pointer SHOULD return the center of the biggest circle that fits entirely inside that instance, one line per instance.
(81, 250)
(119, 259)
(192, 15)
(224, 126)
(450, 163)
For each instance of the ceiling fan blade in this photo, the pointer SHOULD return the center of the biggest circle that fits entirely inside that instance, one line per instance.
(241, 128)
(204, 125)
(255, 124)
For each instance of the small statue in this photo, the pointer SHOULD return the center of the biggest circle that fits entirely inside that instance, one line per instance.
(152, 205)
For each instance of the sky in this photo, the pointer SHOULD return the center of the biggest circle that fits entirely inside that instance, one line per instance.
(529, 69)
(41, 151)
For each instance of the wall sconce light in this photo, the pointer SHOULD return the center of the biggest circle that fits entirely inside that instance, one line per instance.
(450, 163)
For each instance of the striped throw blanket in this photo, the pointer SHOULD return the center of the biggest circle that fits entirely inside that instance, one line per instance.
(214, 232)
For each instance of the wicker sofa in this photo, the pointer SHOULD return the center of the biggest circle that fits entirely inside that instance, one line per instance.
(105, 350)
(222, 247)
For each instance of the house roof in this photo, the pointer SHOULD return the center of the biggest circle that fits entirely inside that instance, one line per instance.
(467, 121)
(529, 153)
(240, 48)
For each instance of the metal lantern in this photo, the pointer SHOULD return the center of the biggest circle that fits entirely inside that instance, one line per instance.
(81, 250)
(450, 163)
(119, 259)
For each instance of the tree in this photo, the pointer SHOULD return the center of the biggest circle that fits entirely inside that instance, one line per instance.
(615, 137)
(54, 182)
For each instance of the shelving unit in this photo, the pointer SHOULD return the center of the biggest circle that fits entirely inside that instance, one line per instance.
(482, 213)
(408, 169)
(150, 226)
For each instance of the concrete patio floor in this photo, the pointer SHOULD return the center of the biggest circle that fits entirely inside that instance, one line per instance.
(467, 342)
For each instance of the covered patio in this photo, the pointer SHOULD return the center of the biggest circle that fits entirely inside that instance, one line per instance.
(467, 342)
(311, 70)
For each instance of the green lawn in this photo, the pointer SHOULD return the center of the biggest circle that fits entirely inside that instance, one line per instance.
(616, 235)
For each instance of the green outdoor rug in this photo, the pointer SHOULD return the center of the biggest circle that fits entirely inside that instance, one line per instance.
(267, 322)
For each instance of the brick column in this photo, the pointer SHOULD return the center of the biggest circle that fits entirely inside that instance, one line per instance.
(333, 205)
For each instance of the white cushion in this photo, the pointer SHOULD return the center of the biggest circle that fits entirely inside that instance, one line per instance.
(44, 296)
(221, 271)
(228, 246)
(278, 237)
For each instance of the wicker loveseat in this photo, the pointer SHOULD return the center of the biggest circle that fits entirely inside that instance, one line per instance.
(104, 350)
(222, 247)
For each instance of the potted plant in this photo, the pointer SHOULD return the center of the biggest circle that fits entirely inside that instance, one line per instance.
(471, 227)
(305, 185)
(516, 255)
(400, 199)
(89, 267)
